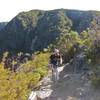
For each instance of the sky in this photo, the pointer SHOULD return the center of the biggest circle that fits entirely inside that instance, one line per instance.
(10, 8)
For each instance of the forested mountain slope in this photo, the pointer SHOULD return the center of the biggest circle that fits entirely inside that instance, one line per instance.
(36, 29)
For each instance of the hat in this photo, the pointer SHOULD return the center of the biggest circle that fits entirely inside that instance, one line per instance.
(56, 51)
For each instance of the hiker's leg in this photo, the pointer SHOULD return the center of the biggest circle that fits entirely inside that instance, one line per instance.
(53, 72)
(52, 69)
(57, 74)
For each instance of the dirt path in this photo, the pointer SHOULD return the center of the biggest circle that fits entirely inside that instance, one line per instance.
(70, 87)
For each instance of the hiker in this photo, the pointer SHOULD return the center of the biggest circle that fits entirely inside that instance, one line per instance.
(55, 61)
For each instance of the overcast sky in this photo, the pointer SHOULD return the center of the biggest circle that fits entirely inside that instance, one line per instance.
(10, 8)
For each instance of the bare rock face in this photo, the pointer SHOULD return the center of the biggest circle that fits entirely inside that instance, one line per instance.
(45, 89)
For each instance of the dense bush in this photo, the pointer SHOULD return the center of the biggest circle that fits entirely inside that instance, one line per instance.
(17, 85)
(93, 56)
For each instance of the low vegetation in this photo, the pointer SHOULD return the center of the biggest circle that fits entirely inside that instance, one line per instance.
(17, 85)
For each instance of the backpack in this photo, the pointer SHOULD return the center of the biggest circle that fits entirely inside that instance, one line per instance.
(56, 59)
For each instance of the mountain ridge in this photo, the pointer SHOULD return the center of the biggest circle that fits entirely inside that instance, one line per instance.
(36, 29)
(3, 24)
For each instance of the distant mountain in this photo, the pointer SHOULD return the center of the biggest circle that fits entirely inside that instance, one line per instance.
(2, 25)
(36, 29)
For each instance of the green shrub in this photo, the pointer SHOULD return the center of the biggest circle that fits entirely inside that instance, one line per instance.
(17, 86)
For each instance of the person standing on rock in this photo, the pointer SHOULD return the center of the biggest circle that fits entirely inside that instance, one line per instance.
(55, 61)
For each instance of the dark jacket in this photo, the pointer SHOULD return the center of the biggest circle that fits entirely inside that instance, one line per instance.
(55, 59)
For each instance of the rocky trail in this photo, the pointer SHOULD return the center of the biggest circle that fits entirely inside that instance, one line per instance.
(71, 86)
